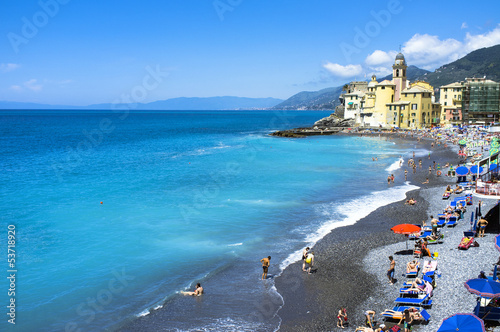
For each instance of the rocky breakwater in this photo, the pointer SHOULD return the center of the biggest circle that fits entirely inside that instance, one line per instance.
(327, 126)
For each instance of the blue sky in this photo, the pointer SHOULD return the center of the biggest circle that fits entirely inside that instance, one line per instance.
(76, 52)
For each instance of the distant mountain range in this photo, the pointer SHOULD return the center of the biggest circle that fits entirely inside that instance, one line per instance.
(177, 104)
(484, 62)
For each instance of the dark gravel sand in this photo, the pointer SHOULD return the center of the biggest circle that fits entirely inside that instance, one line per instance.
(312, 301)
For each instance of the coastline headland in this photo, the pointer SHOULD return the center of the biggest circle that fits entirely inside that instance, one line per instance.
(327, 126)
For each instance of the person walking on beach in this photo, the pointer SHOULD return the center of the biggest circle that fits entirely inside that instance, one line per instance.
(434, 225)
(408, 320)
(406, 174)
(434, 165)
(414, 168)
(392, 178)
(304, 257)
(430, 170)
(390, 272)
(482, 223)
(388, 180)
(341, 317)
(310, 261)
(265, 266)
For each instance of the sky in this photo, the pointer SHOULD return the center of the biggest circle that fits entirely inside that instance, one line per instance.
(74, 52)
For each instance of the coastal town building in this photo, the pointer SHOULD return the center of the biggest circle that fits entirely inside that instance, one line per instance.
(481, 101)
(450, 98)
(393, 103)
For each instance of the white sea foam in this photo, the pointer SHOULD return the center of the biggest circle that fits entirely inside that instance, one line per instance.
(395, 165)
(235, 244)
(143, 313)
(349, 213)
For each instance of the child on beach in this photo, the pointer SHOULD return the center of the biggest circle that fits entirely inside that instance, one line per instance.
(341, 317)
(390, 272)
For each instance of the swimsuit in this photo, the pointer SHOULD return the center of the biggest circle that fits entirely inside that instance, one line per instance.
(265, 268)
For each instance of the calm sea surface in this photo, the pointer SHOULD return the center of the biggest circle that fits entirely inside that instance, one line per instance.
(115, 213)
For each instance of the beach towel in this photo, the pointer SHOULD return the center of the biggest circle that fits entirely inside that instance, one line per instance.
(466, 243)
(395, 328)
(446, 195)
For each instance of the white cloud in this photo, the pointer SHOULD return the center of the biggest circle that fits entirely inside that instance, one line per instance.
(343, 71)
(6, 67)
(33, 85)
(16, 88)
(474, 42)
(427, 50)
(380, 58)
(464, 25)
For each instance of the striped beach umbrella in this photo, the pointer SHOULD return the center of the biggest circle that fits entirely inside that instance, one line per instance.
(462, 142)
(495, 144)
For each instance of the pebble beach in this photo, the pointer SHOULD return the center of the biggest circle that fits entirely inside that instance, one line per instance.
(352, 261)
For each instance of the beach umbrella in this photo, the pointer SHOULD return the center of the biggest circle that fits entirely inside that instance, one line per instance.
(406, 229)
(473, 169)
(462, 142)
(462, 323)
(495, 144)
(497, 242)
(483, 287)
(493, 168)
(493, 151)
(462, 171)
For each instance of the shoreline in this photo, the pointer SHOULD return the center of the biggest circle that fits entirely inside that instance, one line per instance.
(341, 279)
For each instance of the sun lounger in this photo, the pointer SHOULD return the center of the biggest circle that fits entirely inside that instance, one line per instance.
(412, 301)
(429, 268)
(441, 221)
(397, 313)
(413, 274)
(452, 222)
(446, 195)
(453, 204)
(466, 243)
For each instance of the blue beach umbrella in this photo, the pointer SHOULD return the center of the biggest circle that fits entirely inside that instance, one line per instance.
(462, 171)
(493, 168)
(497, 242)
(462, 323)
(473, 169)
(483, 287)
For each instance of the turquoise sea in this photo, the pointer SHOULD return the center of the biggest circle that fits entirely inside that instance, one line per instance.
(116, 212)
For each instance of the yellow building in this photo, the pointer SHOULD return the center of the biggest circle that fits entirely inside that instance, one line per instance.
(450, 98)
(397, 103)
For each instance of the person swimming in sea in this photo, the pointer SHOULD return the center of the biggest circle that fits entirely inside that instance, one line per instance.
(197, 292)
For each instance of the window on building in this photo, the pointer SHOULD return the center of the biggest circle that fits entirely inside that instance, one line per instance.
(383, 88)
(445, 103)
(390, 108)
(445, 96)
(414, 95)
(402, 107)
(414, 107)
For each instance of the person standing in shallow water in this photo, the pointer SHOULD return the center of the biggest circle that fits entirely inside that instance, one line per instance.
(265, 266)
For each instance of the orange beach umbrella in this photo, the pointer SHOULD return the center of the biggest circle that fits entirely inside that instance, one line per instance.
(406, 229)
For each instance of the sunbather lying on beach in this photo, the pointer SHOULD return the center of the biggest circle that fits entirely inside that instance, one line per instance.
(412, 266)
(368, 329)
(416, 286)
(458, 189)
(448, 190)
(411, 201)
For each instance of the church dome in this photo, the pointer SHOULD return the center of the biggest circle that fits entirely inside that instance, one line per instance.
(400, 60)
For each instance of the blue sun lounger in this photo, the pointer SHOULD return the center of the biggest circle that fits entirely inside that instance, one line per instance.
(397, 313)
(441, 220)
(452, 222)
(413, 301)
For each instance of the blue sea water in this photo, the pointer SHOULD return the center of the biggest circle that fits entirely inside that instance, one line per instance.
(117, 212)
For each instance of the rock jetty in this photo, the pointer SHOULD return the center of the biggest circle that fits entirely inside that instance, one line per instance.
(327, 126)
